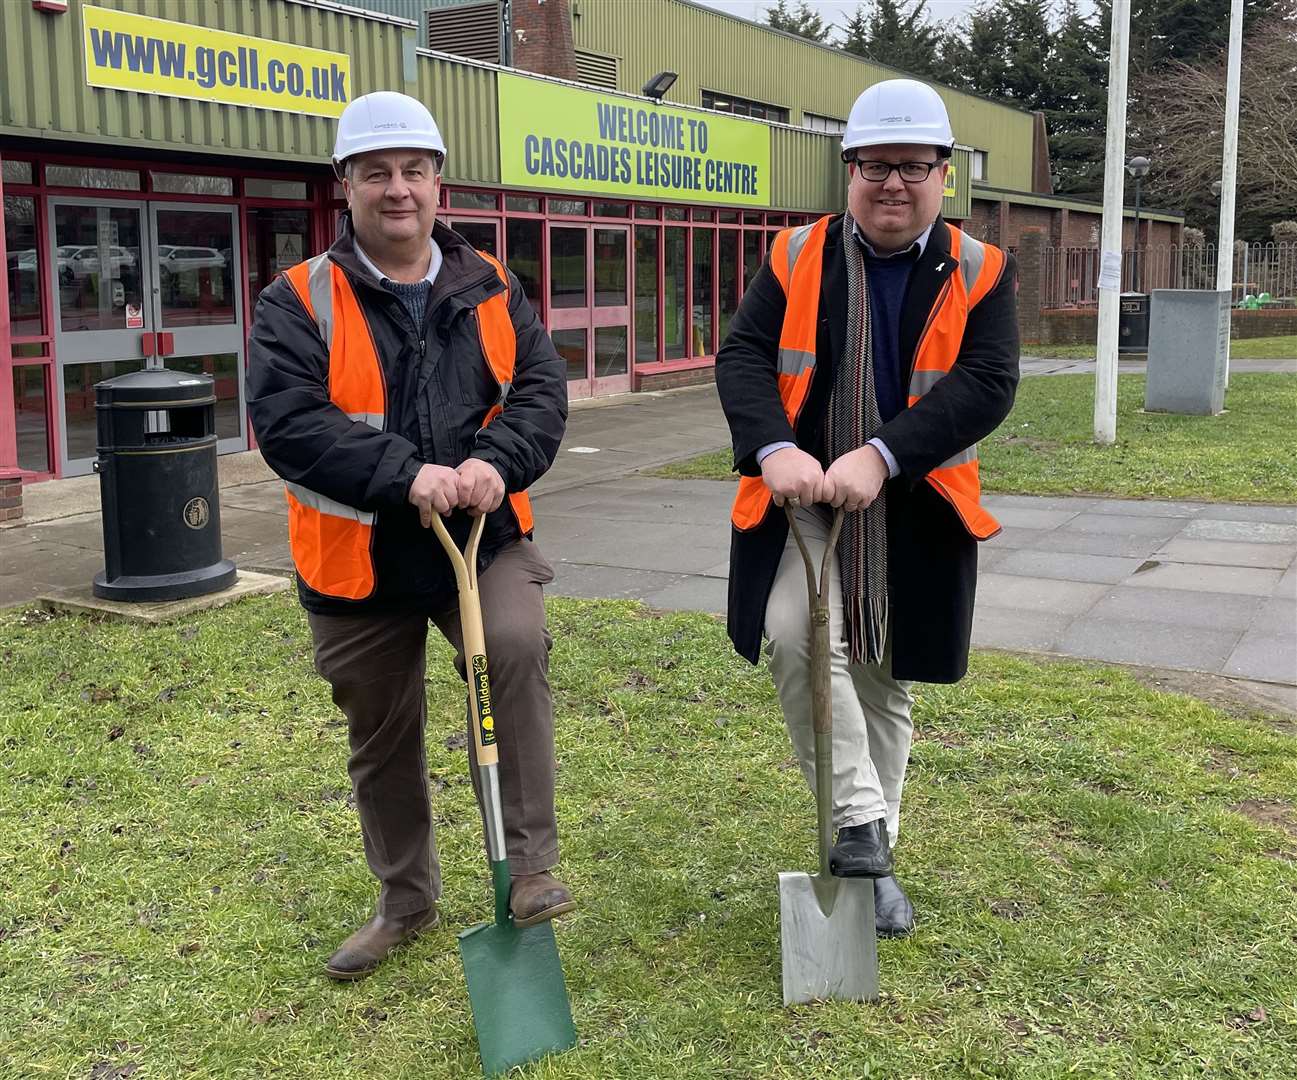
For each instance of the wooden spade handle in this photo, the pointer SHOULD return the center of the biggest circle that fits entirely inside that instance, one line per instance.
(485, 751)
(821, 693)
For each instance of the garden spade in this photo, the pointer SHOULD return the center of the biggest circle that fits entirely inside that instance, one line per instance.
(826, 923)
(514, 976)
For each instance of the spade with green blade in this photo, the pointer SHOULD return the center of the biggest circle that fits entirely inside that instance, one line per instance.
(515, 978)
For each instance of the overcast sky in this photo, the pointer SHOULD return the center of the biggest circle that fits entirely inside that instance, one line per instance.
(835, 11)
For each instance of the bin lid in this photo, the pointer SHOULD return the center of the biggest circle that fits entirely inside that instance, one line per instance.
(153, 386)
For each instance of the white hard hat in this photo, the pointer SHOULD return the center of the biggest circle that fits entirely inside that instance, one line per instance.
(897, 111)
(385, 120)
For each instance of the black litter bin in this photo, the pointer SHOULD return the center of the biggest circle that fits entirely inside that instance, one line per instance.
(157, 484)
(1132, 325)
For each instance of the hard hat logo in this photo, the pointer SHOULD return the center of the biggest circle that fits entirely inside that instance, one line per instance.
(386, 120)
(876, 120)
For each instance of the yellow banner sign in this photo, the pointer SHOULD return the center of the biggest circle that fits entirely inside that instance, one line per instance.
(565, 139)
(154, 56)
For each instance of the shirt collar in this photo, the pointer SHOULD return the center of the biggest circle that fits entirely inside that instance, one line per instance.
(916, 249)
(434, 263)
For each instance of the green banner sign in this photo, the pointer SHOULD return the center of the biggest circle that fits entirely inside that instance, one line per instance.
(564, 139)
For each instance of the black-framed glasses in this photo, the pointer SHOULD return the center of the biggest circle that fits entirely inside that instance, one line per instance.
(877, 172)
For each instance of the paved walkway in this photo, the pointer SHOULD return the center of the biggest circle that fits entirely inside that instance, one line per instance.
(1195, 587)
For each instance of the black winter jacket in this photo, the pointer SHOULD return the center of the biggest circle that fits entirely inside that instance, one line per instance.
(932, 560)
(438, 388)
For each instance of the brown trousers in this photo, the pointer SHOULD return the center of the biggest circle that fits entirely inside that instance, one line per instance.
(375, 664)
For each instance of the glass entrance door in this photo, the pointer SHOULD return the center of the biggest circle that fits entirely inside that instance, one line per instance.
(144, 285)
(589, 308)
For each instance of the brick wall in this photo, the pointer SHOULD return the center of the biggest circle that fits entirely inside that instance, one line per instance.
(1030, 258)
(11, 494)
(542, 38)
(1075, 326)
(668, 380)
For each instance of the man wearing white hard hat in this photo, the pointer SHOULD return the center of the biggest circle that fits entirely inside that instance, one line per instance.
(400, 375)
(870, 354)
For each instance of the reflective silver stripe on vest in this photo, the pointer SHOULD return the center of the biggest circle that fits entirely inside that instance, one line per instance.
(319, 287)
(795, 361)
(325, 505)
(962, 458)
(796, 242)
(373, 419)
(972, 254)
(921, 381)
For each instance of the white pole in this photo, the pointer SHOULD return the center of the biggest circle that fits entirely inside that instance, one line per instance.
(1114, 183)
(1228, 173)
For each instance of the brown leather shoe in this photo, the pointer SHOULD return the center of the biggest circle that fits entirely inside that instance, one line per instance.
(537, 897)
(367, 947)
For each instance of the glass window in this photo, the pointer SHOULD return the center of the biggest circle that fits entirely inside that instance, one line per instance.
(474, 200)
(702, 215)
(570, 207)
(729, 279)
(192, 184)
(567, 268)
(256, 187)
(610, 268)
(752, 217)
(611, 209)
(29, 350)
(729, 217)
(524, 204)
(570, 345)
(78, 176)
(224, 370)
(523, 240)
(775, 219)
(481, 234)
(336, 192)
(32, 418)
(675, 213)
(744, 106)
(277, 240)
(827, 124)
(752, 254)
(195, 261)
(979, 165)
(79, 401)
(99, 269)
(674, 274)
(646, 211)
(610, 343)
(703, 301)
(16, 172)
(22, 265)
(646, 294)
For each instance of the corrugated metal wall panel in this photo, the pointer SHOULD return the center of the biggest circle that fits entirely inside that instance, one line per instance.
(713, 51)
(65, 106)
(808, 172)
(462, 98)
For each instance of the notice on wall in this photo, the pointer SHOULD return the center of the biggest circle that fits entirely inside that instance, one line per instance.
(288, 250)
(125, 51)
(134, 317)
(564, 139)
(1110, 270)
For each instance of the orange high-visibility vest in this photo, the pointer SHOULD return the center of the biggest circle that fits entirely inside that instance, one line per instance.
(796, 257)
(332, 544)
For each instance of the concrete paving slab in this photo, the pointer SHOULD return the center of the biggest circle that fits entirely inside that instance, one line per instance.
(84, 531)
(1265, 656)
(1028, 594)
(1006, 628)
(1277, 616)
(1068, 566)
(1015, 538)
(1184, 549)
(693, 594)
(609, 582)
(1244, 532)
(1287, 586)
(1277, 515)
(266, 498)
(1177, 607)
(1087, 543)
(1076, 504)
(1146, 507)
(643, 545)
(82, 601)
(1139, 642)
(1021, 517)
(1155, 528)
(1235, 580)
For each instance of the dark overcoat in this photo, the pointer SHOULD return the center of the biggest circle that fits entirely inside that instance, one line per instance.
(932, 559)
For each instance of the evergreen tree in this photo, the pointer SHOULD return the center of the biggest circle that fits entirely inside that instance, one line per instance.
(897, 33)
(801, 20)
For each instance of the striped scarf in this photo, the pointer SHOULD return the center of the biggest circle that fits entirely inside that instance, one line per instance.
(853, 421)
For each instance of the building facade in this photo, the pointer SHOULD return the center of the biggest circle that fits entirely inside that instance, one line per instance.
(162, 160)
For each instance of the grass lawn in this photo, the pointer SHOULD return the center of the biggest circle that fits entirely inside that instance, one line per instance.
(1046, 447)
(1282, 347)
(1106, 876)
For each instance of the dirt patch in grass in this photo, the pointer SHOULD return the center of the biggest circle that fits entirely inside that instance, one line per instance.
(1272, 813)
(1237, 697)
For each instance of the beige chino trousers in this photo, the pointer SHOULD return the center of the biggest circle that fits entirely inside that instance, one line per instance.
(871, 710)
